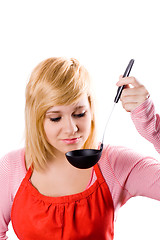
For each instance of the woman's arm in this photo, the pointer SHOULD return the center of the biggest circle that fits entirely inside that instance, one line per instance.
(5, 197)
(12, 172)
(137, 175)
(135, 99)
(147, 122)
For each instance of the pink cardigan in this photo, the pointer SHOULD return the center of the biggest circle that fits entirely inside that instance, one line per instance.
(147, 122)
(127, 173)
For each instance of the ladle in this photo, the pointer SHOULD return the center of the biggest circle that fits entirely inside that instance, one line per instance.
(86, 158)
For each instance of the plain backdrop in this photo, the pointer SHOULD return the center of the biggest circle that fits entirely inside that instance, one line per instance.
(103, 35)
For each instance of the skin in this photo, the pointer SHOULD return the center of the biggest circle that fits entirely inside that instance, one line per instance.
(134, 93)
(64, 122)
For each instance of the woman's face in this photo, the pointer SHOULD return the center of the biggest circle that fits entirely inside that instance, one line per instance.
(67, 127)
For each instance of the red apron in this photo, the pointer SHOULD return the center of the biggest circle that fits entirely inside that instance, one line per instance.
(87, 215)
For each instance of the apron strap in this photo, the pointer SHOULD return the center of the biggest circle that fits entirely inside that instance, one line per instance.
(99, 174)
(28, 175)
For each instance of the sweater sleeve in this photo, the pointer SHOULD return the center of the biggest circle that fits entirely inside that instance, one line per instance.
(147, 122)
(129, 174)
(12, 172)
(5, 197)
(137, 174)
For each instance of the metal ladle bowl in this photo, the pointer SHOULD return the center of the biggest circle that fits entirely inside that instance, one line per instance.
(87, 158)
(84, 158)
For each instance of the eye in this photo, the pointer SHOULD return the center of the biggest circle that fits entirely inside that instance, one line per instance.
(80, 115)
(55, 119)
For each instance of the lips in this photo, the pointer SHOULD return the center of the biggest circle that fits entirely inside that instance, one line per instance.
(71, 140)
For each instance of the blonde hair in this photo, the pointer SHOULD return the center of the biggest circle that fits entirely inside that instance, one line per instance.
(55, 81)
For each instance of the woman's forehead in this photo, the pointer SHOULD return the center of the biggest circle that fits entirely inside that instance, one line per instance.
(82, 102)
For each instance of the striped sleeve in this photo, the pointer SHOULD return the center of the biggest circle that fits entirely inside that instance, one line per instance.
(147, 122)
(129, 174)
(5, 198)
(12, 171)
(137, 174)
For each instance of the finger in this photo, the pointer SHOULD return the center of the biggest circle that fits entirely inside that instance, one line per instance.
(128, 80)
(136, 91)
(130, 106)
(129, 92)
(133, 99)
(119, 83)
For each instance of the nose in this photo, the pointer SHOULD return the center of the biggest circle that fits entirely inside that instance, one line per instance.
(70, 126)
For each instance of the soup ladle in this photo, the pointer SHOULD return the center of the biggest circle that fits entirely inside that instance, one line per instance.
(87, 158)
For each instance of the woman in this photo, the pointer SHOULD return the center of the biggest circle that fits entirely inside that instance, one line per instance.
(46, 197)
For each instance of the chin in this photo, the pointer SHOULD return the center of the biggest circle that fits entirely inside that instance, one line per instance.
(72, 148)
(64, 148)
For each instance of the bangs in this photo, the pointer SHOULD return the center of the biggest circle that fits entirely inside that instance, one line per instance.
(72, 88)
(63, 83)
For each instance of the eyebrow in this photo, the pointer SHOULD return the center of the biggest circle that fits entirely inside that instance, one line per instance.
(78, 107)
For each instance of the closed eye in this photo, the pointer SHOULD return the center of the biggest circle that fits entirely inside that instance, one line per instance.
(55, 119)
(80, 115)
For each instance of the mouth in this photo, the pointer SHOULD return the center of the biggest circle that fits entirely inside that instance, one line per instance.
(71, 140)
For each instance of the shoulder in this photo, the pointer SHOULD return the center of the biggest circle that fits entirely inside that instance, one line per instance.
(13, 163)
(12, 170)
(119, 158)
(118, 162)
(12, 158)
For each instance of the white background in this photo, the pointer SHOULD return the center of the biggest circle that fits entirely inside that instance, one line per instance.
(103, 35)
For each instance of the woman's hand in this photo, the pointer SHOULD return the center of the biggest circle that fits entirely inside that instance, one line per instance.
(133, 94)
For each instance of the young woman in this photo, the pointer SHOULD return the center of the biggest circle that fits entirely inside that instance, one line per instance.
(41, 193)
(137, 101)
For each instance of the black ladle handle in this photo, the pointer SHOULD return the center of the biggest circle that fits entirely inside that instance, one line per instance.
(126, 74)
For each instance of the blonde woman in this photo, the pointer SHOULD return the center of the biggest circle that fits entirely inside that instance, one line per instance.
(41, 193)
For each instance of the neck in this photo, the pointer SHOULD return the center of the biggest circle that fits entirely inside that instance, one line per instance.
(58, 161)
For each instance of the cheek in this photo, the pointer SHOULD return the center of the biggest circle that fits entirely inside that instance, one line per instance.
(49, 130)
(87, 123)
(46, 128)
